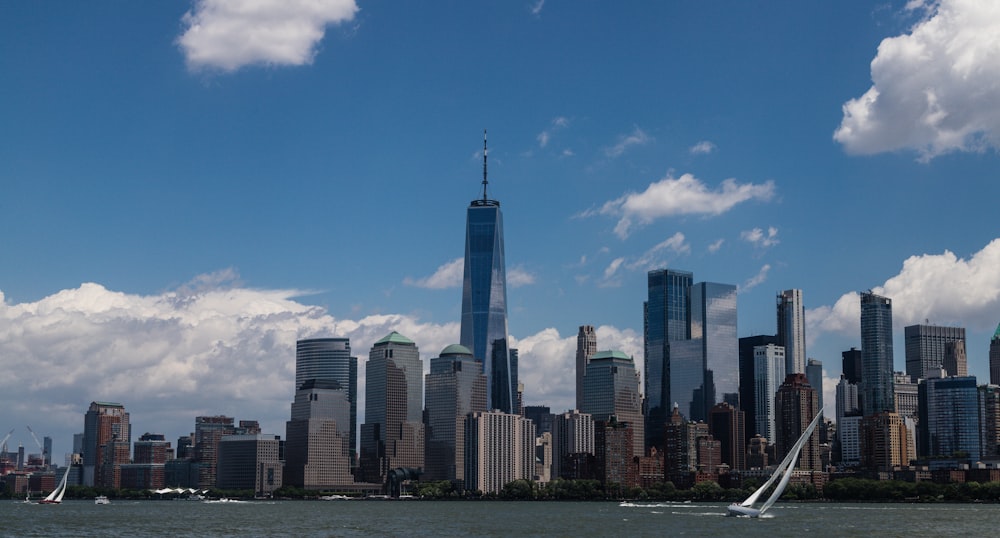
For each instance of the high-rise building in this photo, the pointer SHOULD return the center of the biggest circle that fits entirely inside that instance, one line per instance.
(586, 345)
(208, 431)
(995, 357)
(926, 348)
(669, 377)
(792, 330)
(330, 359)
(847, 399)
(955, 361)
(541, 415)
(727, 425)
(680, 449)
(814, 373)
(484, 297)
(614, 460)
(611, 389)
(905, 393)
(572, 435)
(713, 324)
(250, 462)
(151, 448)
(769, 373)
(876, 354)
(500, 448)
(795, 407)
(104, 424)
(989, 420)
(318, 454)
(949, 418)
(884, 441)
(455, 388)
(849, 440)
(748, 383)
(393, 433)
(851, 365)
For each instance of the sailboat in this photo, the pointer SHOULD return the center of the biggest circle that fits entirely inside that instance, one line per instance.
(57, 494)
(782, 474)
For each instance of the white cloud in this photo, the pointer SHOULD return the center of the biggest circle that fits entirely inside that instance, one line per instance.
(557, 124)
(536, 8)
(230, 34)
(943, 288)
(656, 256)
(519, 276)
(758, 238)
(714, 247)
(702, 148)
(685, 195)
(756, 280)
(613, 267)
(935, 89)
(637, 137)
(448, 275)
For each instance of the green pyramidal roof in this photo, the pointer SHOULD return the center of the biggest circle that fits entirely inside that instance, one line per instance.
(456, 349)
(394, 338)
(996, 335)
(615, 354)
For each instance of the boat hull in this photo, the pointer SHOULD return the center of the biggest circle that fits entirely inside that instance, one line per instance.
(736, 510)
(45, 501)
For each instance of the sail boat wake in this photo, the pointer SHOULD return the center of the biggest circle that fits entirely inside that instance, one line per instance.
(782, 474)
(57, 494)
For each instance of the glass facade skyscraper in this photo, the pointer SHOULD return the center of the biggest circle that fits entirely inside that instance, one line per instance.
(949, 418)
(670, 370)
(713, 323)
(329, 360)
(455, 388)
(484, 298)
(792, 330)
(877, 380)
(611, 389)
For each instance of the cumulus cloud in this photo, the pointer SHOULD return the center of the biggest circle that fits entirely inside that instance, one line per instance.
(556, 125)
(759, 238)
(519, 276)
(637, 137)
(222, 349)
(714, 247)
(672, 196)
(702, 148)
(941, 287)
(756, 280)
(656, 256)
(448, 275)
(935, 89)
(230, 34)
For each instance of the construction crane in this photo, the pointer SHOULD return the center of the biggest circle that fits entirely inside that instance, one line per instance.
(3, 444)
(41, 449)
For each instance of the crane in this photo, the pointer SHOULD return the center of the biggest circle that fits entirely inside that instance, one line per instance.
(41, 449)
(3, 444)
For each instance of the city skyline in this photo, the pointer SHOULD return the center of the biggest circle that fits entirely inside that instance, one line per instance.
(177, 215)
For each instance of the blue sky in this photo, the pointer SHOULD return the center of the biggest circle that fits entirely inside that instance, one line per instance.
(186, 188)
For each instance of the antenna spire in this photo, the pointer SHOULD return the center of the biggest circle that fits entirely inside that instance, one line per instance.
(484, 165)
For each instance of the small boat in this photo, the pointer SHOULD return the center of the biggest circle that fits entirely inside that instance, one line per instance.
(57, 494)
(783, 472)
(101, 499)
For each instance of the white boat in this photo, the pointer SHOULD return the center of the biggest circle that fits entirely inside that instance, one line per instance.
(101, 499)
(57, 494)
(783, 473)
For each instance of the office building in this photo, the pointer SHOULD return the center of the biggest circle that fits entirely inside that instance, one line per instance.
(208, 431)
(876, 354)
(586, 345)
(500, 448)
(680, 450)
(995, 357)
(104, 424)
(814, 373)
(393, 433)
(748, 383)
(989, 420)
(884, 441)
(456, 387)
(330, 359)
(926, 348)
(541, 415)
(318, 453)
(769, 373)
(727, 425)
(713, 325)
(949, 418)
(611, 389)
(250, 462)
(905, 393)
(795, 407)
(851, 365)
(849, 440)
(668, 377)
(792, 330)
(484, 297)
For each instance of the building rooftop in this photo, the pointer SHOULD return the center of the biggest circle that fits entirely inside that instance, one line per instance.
(610, 354)
(394, 338)
(456, 349)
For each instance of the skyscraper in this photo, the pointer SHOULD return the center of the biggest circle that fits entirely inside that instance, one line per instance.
(769, 373)
(208, 431)
(949, 418)
(104, 424)
(792, 330)
(995, 358)
(713, 324)
(330, 359)
(572, 434)
(484, 297)
(670, 375)
(455, 388)
(876, 354)
(795, 407)
(851, 365)
(499, 448)
(726, 423)
(748, 393)
(586, 345)
(925, 347)
(814, 372)
(318, 454)
(611, 389)
(393, 433)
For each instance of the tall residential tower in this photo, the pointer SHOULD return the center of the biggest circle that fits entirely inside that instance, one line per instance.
(792, 330)
(877, 380)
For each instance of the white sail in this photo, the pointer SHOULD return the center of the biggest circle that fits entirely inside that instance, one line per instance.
(783, 471)
(57, 494)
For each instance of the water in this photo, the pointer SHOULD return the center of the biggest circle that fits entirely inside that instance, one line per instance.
(457, 518)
